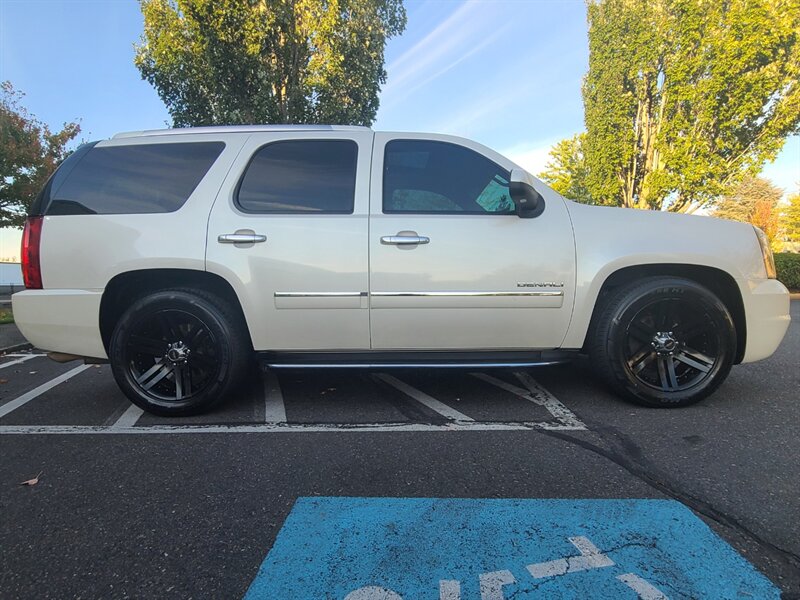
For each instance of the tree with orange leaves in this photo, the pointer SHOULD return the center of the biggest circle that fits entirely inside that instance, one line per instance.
(29, 153)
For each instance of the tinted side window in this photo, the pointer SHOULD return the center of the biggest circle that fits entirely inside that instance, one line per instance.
(42, 201)
(146, 178)
(423, 176)
(300, 176)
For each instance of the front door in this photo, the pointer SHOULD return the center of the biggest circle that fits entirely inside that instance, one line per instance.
(451, 266)
(289, 232)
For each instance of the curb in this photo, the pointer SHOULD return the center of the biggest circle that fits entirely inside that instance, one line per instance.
(794, 296)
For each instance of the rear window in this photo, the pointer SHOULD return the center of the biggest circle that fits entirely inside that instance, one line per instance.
(143, 178)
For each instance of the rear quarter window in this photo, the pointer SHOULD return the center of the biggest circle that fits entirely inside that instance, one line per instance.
(142, 178)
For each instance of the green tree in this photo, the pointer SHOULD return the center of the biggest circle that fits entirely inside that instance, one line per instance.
(566, 172)
(29, 153)
(789, 224)
(685, 98)
(754, 200)
(267, 61)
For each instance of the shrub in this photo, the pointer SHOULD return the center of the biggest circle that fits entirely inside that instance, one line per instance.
(788, 266)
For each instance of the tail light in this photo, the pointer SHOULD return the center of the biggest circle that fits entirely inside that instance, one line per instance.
(31, 241)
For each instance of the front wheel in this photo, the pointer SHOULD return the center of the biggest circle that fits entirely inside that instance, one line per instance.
(663, 342)
(179, 352)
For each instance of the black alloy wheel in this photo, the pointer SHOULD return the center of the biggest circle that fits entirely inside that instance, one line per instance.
(663, 342)
(672, 344)
(179, 352)
(173, 356)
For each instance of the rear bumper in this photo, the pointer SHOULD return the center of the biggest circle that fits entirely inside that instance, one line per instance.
(61, 320)
(767, 313)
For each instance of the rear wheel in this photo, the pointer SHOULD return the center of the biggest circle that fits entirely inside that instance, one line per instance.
(663, 342)
(179, 352)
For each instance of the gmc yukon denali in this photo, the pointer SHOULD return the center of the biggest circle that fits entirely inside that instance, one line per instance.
(178, 255)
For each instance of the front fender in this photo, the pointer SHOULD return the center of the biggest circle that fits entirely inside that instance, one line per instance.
(610, 239)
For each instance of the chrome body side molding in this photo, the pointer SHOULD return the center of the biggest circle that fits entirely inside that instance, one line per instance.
(414, 294)
(547, 293)
(321, 300)
(320, 294)
(419, 299)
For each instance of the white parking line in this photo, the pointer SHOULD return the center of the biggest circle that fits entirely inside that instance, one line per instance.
(644, 589)
(549, 401)
(538, 395)
(590, 558)
(454, 426)
(423, 398)
(27, 397)
(129, 417)
(275, 410)
(449, 589)
(22, 358)
(275, 413)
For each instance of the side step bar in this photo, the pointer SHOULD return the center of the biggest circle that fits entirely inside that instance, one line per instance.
(412, 360)
(421, 365)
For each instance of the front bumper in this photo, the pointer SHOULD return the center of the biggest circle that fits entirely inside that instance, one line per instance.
(766, 309)
(61, 320)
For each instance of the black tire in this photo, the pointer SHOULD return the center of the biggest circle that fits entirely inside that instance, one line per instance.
(663, 342)
(179, 351)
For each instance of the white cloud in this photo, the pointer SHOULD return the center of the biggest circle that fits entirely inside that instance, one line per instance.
(448, 45)
(481, 111)
(531, 157)
(467, 120)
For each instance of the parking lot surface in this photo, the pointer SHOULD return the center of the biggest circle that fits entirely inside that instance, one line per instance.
(132, 505)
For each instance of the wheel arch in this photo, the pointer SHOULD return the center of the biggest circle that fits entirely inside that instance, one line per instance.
(124, 288)
(721, 283)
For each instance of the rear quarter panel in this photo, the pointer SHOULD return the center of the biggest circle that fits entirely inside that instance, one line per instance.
(87, 251)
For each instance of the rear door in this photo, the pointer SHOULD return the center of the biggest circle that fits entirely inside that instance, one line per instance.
(451, 266)
(289, 231)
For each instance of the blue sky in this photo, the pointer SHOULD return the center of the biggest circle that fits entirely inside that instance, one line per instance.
(506, 73)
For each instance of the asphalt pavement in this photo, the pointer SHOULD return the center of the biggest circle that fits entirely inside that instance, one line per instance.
(134, 506)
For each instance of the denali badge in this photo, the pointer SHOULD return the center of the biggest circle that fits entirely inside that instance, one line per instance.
(537, 284)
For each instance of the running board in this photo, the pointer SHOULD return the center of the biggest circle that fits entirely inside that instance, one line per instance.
(410, 360)
(421, 365)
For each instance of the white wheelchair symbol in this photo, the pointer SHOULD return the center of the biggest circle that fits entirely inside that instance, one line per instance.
(491, 584)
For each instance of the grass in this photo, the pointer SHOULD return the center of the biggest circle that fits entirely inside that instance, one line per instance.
(6, 316)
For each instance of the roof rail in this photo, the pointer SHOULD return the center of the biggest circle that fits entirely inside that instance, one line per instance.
(238, 129)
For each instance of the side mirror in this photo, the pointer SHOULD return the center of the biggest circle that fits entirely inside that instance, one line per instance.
(528, 202)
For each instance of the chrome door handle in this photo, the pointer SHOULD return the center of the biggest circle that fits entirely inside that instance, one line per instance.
(241, 238)
(404, 240)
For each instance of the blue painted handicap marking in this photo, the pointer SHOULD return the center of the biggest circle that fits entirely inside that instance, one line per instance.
(459, 549)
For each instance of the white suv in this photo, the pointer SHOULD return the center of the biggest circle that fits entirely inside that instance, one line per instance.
(176, 254)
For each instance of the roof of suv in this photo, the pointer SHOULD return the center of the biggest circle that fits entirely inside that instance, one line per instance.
(239, 129)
